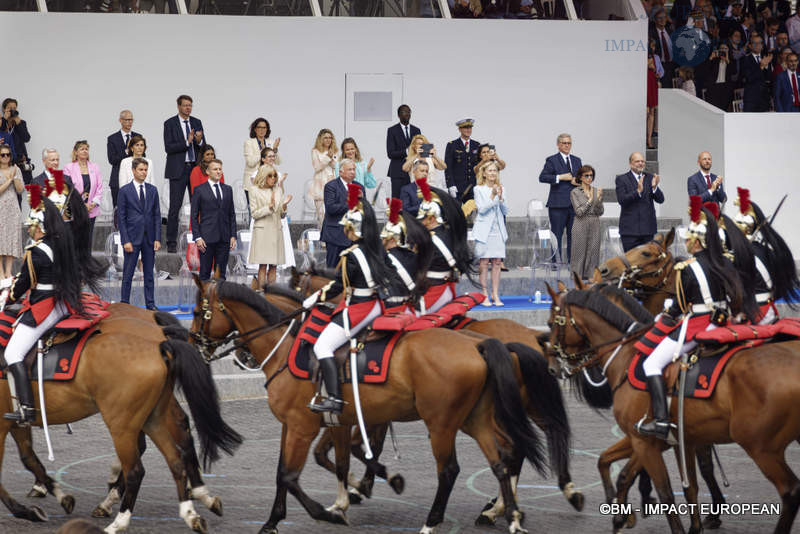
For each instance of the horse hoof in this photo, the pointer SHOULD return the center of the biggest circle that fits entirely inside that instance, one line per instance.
(631, 522)
(693, 530)
(712, 522)
(101, 512)
(199, 525)
(651, 501)
(577, 501)
(484, 520)
(216, 506)
(37, 492)
(489, 505)
(268, 530)
(398, 483)
(37, 515)
(355, 497)
(620, 521)
(68, 503)
(338, 517)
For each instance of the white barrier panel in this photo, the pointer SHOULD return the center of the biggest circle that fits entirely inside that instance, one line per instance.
(522, 81)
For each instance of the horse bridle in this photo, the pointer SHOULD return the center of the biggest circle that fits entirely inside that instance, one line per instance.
(634, 275)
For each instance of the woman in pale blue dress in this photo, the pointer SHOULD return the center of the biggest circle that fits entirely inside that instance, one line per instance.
(364, 174)
(490, 228)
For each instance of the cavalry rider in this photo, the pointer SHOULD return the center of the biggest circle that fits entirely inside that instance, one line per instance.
(50, 272)
(409, 250)
(773, 259)
(708, 290)
(451, 255)
(362, 274)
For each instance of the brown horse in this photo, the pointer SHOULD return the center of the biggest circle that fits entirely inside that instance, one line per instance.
(141, 403)
(755, 403)
(554, 423)
(448, 380)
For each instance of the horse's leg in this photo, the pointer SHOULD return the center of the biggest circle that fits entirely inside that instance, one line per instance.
(706, 464)
(324, 446)
(618, 451)
(625, 480)
(444, 450)
(496, 507)
(125, 443)
(774, 467)
(341, 440)
(649, 453)
(691, 492)
(278, 512)
(24, 440)
(377, 439)
(116, 483)
(20, 511)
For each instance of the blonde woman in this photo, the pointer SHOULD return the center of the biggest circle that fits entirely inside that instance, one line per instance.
(267, 207)
(435, 179)
(86, 179)
(364, 174)
(269, 157)
(323, 159)
(490, 228)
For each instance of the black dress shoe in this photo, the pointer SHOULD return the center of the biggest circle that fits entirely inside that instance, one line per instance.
(152, 308)
(172, 248)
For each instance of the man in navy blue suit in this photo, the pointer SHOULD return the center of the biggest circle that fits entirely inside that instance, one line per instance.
(408, 195)
(756, 71)
(398, 137)
(183, 138)
(787, 86)
(559, 171)
(139, 221)
(704, 183)
(117, 150)
(335, 196)
(213, 222)
(636, 192)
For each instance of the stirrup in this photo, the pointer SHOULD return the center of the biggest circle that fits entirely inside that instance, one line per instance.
(655, 428)
(328, 404)
(25, 415)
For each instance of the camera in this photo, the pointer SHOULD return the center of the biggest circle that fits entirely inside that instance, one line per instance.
(491, 147)
(13, 113)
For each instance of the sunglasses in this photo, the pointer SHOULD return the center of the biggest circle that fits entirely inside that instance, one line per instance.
(5, 155)
(588, 175)
(272, 176)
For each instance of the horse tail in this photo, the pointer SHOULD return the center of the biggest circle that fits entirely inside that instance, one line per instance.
(509, 409)
(193, 376)
(545, 403)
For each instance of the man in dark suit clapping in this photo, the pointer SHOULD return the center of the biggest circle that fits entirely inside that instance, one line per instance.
(335, 196)
(139, 220)
(756, 70)
(213, 222)
(704, 183)
(398, 137)
(117, 150)
(183, 138)
(559, 171)
(636, 193)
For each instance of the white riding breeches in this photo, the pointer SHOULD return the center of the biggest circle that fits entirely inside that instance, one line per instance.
(334, 336)
(768, 317)
(662, 355)
(25, 337)
(446, 296)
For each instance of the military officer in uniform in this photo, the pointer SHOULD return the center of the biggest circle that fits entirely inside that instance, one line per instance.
(461, 156)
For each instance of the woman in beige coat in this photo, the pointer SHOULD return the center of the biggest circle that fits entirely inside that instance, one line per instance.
(267, 207)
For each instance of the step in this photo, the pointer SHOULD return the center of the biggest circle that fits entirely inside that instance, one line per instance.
(651, 154)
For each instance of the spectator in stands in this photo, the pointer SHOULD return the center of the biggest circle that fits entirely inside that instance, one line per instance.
(780, 62)
(11, 184)
(686, 74)
(660, 33)
(87, 180)
(466, 9)
(736, 46)
(490, 227)
(733, 18)
(787, 98)
(200, 172)
(771, 35)
(487, 152)
(460, 157)
(704, 183)
(13, 124)
(214, 222)
(779, 9)
(748, 27)
(398, 138)
(408, 195)
(756, 72)
(259, 140)
(323, 159)
(183, 138)
(335, 207)
(523, 9)
(720, 74)
(117, 149)
(139, 220)
(637, 191)
(364, 174)
(587, 232)
(652, 98)
(267, 207)
(268, 157)
(435, 163)
(681, 11)
(782, 40)
(793, 29)
(136, 148)
(50, 160)
(559, 171)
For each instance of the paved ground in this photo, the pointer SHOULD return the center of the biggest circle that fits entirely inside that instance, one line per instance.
(245, 483)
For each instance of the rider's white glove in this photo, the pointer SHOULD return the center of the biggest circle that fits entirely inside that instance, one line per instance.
(310, 301)
(453, 191)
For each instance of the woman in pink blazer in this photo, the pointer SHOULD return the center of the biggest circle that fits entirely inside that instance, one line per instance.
(86, 179)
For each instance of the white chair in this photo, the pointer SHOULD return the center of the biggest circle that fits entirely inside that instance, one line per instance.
(106, 206)
(537, 218)
(545, 266)
(309, 210)
(240, 269)
(312, 248)
(186, 283)
(183, 217)
(612, 244)
(240, 203)
(679, 243)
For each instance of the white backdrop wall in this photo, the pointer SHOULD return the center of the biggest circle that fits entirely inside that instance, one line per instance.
(522, 81)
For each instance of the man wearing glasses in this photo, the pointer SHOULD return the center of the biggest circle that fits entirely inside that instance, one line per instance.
(117, 150)
(559, 171)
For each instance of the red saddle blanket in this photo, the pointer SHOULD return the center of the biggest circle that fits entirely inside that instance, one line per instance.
(60, 360)
(702, 376)
(456, 308)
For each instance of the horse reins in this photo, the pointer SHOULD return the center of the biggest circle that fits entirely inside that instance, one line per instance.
(634, 275)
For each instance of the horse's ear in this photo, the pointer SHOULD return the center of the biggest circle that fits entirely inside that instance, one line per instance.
(670, 238)
(553, 294)
(577, 280)
(197, 281)
(561, 286)
(597, 277)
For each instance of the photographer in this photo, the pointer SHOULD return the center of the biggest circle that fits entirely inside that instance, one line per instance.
(720, 74)
(14, 128)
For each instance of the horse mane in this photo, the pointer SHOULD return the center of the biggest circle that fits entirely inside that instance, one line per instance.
(245, 295)
(597, 303)
(284, 291)
(597, 397)
(633, 306)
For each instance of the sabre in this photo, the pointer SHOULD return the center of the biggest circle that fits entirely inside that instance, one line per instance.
(681, 390)
(357, 399)
(719, 464)
(394, 441)
(40, 362)
(772, 219)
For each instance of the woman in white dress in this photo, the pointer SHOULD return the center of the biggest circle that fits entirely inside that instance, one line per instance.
(435, 164)
(259, 140)
(323, 159)
(137, 147)
(267, 207)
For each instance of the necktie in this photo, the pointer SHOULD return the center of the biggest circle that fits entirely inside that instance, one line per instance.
(127, 140)
(408, 135)
(758, 59)
(569, 164)
(796, 96)
(218, 194)
(141, 196)
(708, 180)
(664, 46)
(190, 152)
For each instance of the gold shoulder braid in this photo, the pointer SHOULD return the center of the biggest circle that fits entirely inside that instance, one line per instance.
(324, 291)
(31, 271)
(679, 293)
(342, 266)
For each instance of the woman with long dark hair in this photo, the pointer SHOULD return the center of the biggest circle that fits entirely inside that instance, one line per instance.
(364, 276)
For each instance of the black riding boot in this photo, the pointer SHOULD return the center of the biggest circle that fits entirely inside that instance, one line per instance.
(330, 376)
(659, 425)
(26, 413)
